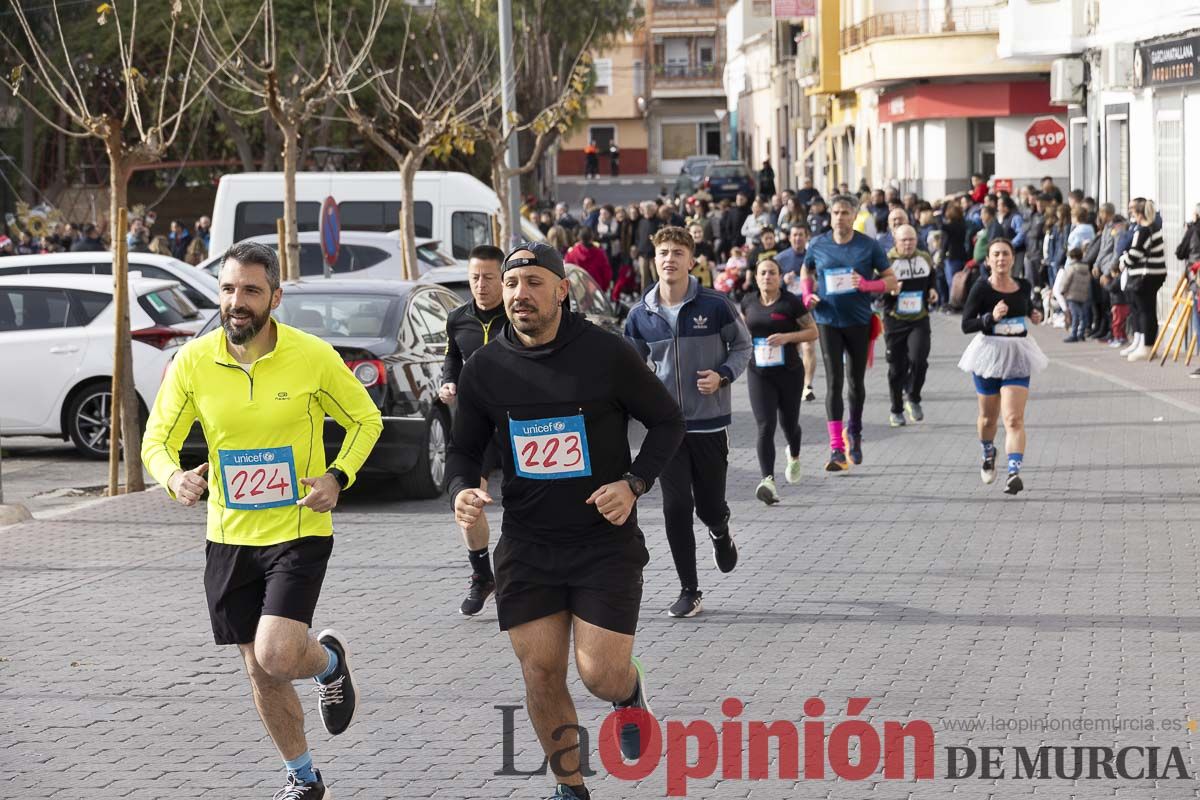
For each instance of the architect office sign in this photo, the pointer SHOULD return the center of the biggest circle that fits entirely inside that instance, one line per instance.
(1168, 63)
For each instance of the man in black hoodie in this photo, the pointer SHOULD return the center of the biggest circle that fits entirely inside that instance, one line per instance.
(570, 556)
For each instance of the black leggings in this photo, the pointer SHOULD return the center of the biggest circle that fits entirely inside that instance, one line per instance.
(908, 360)
(776, 392)
(1145, 307)
(852, 343)
(694, 480)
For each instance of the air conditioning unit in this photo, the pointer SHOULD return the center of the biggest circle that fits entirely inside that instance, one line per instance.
(1117, 64)
(1066, 82)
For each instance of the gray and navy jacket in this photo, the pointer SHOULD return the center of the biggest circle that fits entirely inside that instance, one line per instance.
(710, 335)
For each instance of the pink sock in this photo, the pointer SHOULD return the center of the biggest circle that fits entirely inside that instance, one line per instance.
(835, 435)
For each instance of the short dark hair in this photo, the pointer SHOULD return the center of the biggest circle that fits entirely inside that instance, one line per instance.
(1075, 254)
(845, 200)
(487, 252)
(798, 226)
(255, 253)
(89, 229)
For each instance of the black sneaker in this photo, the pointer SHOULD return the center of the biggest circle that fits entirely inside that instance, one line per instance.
(631, 734)
(724, 551)
(480, 589)
(338, 698)
(303, 790)
(688, 605)
(837, 462)
(563, 792)
(987, 471)
(1014, 483)
(809, 394)
(855, 449)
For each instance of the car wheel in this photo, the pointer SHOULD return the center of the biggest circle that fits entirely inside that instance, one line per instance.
(88, 418)
(427, 478)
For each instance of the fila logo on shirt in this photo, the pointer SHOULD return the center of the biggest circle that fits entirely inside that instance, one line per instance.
(700, 322)
(906, 268)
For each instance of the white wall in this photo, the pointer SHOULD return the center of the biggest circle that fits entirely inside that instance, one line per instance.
(1191, 158)
(1143, 176)
(1126, 21)
(1013, 159)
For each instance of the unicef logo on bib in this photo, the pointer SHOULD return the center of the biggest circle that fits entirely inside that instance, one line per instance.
(268, 456)
(550, 449)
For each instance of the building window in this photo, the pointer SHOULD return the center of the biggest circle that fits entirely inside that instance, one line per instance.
(603, 136)
(1117, 160)
(678, 140)
(639, 79)
(706, 51)
(1078, 141)
(603, 69)
(983, 146)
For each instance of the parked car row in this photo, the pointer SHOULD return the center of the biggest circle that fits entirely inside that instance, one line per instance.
(57, 325)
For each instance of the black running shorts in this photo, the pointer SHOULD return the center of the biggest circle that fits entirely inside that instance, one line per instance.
(599, 583)
(244, 583)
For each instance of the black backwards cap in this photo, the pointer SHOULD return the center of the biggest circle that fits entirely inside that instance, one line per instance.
(544, 255)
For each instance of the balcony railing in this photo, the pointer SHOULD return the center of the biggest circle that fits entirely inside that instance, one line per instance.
(683, 73)
(980, 19)
(680, 10)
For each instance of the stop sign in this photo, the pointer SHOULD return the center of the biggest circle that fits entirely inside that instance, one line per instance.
(1046, 138)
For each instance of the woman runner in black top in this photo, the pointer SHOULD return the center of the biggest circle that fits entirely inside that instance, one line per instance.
(1001, 358)
(778, 323)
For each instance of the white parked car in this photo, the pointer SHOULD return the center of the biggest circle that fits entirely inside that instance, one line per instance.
(56, 352)
(199, 286)
(361, 255)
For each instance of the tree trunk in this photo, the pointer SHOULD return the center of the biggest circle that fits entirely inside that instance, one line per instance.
(128, 434)
(408, 219)
(291, 155)
(500, 182)
(272, 144)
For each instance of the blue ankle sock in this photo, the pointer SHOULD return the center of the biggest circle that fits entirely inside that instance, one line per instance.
(302, 767)
(1014, 462)
(989, 448)
(330, 667)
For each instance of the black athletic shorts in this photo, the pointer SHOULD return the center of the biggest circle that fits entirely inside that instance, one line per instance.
(599, 583)
(243, 583)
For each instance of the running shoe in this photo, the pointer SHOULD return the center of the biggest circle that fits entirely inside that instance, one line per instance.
(837, 462)
(688, 605)
(563, 792)
(477, 594)
(987, 472)
(896, 420)
(793, 466)
(1194, 373)
(809, 394)
(336, 694)
(915, 412)
(766, 491)
(855, 450)
(631, 734)
(725, 554)
(1014, 483)
(297, 789)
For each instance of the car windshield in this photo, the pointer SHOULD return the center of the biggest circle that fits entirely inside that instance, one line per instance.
(168, 306)
(332, 316)
(429, 257)
(727, 171)
(696, 168)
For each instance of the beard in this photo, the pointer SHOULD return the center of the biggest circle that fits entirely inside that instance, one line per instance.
(241, 335)
(535, 323)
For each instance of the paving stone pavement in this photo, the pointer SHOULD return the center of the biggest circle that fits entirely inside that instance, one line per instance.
(905, 581)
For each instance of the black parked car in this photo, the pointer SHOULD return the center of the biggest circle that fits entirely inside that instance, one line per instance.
(392, 336)
(724, 180)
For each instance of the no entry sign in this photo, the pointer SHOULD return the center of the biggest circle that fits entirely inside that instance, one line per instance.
(1046, 138)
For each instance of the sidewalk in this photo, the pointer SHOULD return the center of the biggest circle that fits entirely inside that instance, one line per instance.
(905, 581)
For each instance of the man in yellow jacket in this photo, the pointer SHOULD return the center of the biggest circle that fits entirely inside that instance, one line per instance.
(261, 391)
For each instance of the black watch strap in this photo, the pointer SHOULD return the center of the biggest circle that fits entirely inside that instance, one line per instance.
(725, 381)
(342, 478)
(638, 485)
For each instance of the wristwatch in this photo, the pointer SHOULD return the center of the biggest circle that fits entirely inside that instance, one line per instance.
(342, 478)
(638, 485)
(725, 381)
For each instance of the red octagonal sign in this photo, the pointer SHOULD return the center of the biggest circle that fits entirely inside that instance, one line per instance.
(1046, 138)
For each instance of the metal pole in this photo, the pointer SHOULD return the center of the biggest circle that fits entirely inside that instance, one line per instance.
(508, 106)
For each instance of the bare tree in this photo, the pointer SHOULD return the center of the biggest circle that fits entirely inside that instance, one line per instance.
(292, 86)
(431, 104)
(137, 121)
(546, 127)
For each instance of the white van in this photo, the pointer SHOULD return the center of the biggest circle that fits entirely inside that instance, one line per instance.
(454, 208)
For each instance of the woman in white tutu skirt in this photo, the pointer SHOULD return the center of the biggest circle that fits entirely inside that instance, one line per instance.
(1001, 358)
